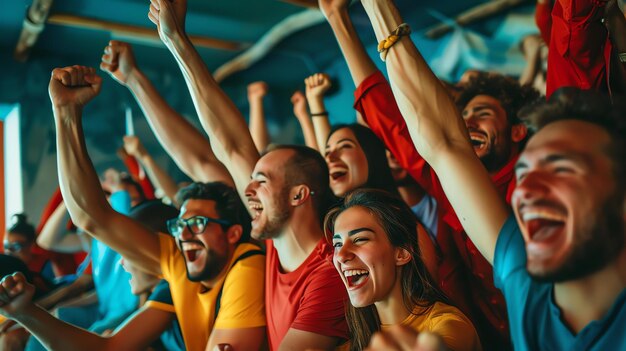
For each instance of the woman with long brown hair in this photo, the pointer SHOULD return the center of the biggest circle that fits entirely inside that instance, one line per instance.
(378, 258)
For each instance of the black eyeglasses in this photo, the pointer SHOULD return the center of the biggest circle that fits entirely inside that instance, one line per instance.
(13, 247)
(196, 224)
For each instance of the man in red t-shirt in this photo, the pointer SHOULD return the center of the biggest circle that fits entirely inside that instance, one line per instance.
(304, 295)
(490, 104)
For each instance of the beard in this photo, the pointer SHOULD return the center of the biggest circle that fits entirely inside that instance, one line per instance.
(276, 219)
(594, 247)
(213, 266)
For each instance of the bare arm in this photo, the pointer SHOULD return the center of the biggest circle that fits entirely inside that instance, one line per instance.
(316, 86)
(157, 175)
(55, 237)
(137, 333)
(190, 150)
(238, 339)
(64, 293)
(219, 116)
(70, 89)
(258, 127)
(439, 133)
(299, 110)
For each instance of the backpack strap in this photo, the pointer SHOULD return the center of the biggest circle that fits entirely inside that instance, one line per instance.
(243, 256)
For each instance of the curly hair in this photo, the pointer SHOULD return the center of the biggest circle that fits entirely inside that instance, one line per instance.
(511, 95)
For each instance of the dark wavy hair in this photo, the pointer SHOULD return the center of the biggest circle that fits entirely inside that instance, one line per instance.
(511, 95)
(227, 203)
(399, 223)
(379, 174)
(21, 226)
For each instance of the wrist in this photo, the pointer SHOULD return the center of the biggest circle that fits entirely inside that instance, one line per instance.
(24, 312)
(134, 79)
(67, 110)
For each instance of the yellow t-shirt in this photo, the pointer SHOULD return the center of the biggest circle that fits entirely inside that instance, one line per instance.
(242, 301)
(449, 322)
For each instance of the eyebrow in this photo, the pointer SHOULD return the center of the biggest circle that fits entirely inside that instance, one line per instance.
(353, 232)
(480, 108)
(581, 160)
(341, 140)
(259, 174)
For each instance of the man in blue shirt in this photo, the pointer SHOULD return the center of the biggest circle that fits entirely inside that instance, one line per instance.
(560, 260)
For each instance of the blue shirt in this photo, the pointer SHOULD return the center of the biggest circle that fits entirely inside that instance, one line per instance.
(534, 318)
(426, 213)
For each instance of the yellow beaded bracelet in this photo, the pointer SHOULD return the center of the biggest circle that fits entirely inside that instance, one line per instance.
(385, 44)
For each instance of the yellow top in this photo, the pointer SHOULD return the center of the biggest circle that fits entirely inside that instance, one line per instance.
(242, 302)
(449, 322)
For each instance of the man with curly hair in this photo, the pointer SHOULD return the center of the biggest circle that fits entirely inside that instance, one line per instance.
(489, 103)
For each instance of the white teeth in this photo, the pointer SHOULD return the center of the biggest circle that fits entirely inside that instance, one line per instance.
(191, 247)
(528, 216)
(351, 272)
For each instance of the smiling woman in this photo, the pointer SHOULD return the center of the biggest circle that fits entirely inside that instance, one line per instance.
(378, 258)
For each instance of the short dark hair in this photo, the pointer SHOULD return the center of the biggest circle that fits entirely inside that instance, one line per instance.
(20, 226)
(588, 106)
(227, 203)
(127, 179)
(306, 166)
(511, 95)
(153, 214)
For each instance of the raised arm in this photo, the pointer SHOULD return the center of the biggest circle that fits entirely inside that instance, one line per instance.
(137, 333)
(156, 174)
(219, 116)
(316, 86)
(258, 126)
(181, 140)
(56, 237)
(71, 88)
(439, 133)
(299, 110)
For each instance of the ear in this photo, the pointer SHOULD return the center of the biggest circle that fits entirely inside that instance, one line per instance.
(299, 194)
(403, 256)
(233, 234)
(518, 132)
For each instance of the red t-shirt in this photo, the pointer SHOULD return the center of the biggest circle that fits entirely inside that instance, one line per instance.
(312, 298)
(465, 276)
(579, 48)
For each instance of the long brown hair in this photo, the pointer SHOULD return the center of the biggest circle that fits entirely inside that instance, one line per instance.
(399, 223)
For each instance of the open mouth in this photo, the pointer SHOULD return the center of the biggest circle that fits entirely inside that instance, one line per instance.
(191, 250)
(478, 140)
(545, 232)
(356, 277)
(256, 208)
(337, 175)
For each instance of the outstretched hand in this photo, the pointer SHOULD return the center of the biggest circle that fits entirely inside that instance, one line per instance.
(169, 17)
(15, 294)
(316, 85)
(118, 61)
(73, 86)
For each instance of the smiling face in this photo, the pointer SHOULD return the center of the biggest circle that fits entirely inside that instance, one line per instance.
(207, 253)
(489, 130)
(347, 163)
(565, 201)
(364, 257)
(268, 195)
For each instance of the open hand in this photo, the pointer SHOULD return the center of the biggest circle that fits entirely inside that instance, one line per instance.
(73, 86)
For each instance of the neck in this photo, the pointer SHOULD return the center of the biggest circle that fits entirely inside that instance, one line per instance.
(298, 239)
(590, 298)
(392, 310)
(412, 194)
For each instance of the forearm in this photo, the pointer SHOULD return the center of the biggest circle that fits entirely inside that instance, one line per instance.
(85, 199)
(359, 62)
(219, 116)
(54, 229)
(258, 128)
(55, 334)
(430, 113)
(189, 149)
(159, 177)
(307, 130)
(76, 288)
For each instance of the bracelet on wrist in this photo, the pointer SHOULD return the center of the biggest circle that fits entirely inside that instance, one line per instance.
(386, 44)
(318, 114)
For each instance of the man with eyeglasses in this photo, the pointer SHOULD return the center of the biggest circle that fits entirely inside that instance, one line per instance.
(217, 281)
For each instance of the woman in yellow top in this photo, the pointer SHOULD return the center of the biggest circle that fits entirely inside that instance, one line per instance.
(378, 258)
